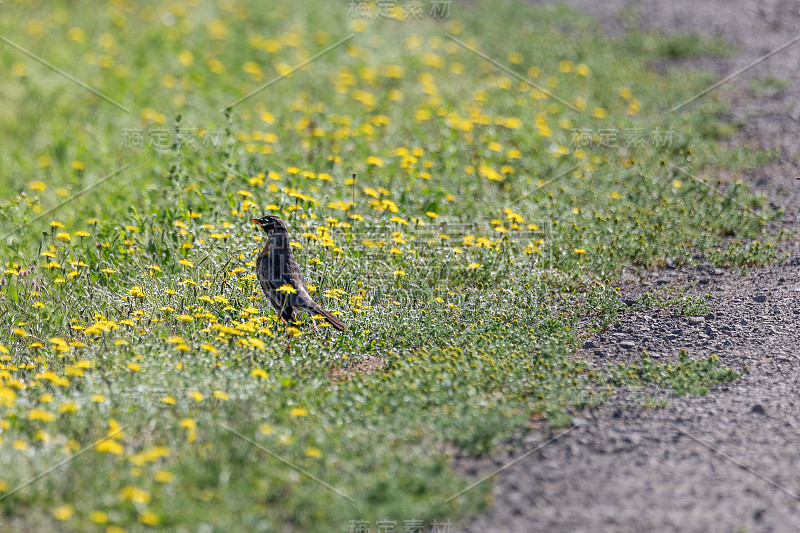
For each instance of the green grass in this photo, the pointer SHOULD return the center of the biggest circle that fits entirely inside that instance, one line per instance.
(686, 376)
(485, 222)
(673, 297)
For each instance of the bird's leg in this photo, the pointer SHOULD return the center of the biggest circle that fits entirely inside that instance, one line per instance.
(285, 301)
(278, 319)
(289, 337)
(315, 324)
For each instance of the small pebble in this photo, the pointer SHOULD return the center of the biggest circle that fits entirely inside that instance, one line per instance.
(579, 422)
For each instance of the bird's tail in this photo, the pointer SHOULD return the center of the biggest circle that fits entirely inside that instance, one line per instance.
(332, 320)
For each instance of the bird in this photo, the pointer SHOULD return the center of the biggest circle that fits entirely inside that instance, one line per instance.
(276, 267)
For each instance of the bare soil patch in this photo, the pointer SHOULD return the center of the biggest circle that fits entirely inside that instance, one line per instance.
(727, 461)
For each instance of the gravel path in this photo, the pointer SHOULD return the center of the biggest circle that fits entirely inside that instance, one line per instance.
(728, 461)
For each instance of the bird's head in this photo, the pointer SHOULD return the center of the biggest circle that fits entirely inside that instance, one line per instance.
(270, 224)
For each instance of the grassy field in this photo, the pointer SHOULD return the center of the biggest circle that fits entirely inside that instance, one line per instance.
(466, 217)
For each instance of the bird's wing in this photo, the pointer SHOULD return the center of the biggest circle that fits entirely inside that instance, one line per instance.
(268, 274)
(300, 275)
(293, 275)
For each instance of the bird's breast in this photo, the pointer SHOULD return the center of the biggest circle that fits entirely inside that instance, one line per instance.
(265, 251)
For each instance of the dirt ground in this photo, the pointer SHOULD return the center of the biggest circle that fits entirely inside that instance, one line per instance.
(728, 461)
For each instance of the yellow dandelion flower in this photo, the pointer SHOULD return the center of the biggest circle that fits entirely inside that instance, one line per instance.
(286, 289)
(68, 407)
(41, 414)
(110, 446)
(258, 343)
(313, 452)
(259, 373)
(19, 70)
(64, 512)
(137, 291)
(163, 476)
(134, 494)
(185, 57)
(149, 518)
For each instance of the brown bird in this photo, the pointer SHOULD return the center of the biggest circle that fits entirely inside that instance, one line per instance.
(276, 267)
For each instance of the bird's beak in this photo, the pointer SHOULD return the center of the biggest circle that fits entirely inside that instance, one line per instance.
(255, 221)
